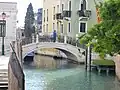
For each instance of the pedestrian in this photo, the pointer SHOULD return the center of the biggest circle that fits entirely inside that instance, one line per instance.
(54, 36)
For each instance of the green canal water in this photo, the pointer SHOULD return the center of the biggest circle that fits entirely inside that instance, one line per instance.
(68, 78)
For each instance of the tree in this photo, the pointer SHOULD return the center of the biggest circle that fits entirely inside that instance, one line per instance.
(29, 21)
(105, 36)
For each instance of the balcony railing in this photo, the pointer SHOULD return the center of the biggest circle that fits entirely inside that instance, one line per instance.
(66, 13)
(85, 13)
(59, 16)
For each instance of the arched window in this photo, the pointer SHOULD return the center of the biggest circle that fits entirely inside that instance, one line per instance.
(83, 5)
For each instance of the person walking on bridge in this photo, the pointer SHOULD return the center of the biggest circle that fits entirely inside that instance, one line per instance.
(54, 36)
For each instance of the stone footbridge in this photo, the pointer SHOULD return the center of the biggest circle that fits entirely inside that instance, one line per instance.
(72, 52)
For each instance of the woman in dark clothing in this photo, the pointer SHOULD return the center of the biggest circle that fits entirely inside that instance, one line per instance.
(54, 36)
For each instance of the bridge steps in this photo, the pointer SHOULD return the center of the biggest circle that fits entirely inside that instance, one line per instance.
(3, 79)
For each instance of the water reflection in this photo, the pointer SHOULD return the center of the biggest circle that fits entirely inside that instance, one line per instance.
(68, 77)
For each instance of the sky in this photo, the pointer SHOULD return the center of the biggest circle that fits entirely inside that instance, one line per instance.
(22, 8)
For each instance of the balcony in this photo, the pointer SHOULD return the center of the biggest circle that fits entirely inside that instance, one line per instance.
(59, 16)
(85, 13)
(66, 13)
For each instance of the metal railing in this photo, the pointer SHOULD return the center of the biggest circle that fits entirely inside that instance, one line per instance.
(48, 38)
(26, 40)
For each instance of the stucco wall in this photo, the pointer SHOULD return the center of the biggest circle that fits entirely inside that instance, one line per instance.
(75, 19)
(10, 8)
(49, 4)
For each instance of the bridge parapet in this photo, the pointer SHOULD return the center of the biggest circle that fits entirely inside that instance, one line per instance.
(48, 38)
(71, 51)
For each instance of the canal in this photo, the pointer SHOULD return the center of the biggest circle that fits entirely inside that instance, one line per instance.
(68, 77)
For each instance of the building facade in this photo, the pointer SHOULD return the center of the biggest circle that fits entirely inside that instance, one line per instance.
(69, 17)
(10, 9)
(38, 20)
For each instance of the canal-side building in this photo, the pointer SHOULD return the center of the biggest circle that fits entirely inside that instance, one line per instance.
(49, 10)
(10, 9)
(38, 20)
(69, 17)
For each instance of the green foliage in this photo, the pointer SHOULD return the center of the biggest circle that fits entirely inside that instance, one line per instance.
(29, 21)
(59, 37)
(105, 37)
(104, 62)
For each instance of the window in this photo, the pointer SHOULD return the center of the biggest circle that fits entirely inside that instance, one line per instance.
(83, 5)
(44, 15)
(43, 28)
(47, 28)
(62, 7)
(57, 26)
(61, 28)
(82, 27)
(57, 8)
(22, 34)
(69, 27)
(69, 5)
(53, 26)
(53, 10)
(47, 14)
(53, 13)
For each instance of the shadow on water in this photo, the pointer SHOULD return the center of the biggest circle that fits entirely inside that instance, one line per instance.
(59, 64)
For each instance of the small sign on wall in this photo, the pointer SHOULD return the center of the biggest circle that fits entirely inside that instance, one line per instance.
(2, 28)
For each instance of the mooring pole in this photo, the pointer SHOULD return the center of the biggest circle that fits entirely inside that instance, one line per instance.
(86, 57)
(90, 58)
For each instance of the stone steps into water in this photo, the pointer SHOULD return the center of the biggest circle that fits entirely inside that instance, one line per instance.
(3, 79)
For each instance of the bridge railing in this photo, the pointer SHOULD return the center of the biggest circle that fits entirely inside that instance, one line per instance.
(26, 40)
(48, 38)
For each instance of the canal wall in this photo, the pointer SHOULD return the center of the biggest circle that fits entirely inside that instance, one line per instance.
(117, 65)
(42, 61)
(44, 58)
(48, 51)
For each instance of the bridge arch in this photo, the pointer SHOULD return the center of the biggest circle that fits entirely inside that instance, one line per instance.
(70, 51)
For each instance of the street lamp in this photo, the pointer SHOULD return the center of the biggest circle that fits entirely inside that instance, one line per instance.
(3, 31)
